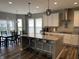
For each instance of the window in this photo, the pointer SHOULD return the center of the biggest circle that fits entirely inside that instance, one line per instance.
(34, 25)
(6, 25)
(38, 25)
(31, 26)
(19, 26)
(3, 25)
(10, 25)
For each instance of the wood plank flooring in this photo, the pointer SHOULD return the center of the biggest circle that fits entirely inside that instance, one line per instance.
(69, 53)
(15, 52)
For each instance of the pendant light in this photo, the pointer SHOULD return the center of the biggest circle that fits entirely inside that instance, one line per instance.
(29, 14)
(48, 11)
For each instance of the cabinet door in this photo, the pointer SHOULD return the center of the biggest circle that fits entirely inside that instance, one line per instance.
(32, 43)
(76, 18)
(39, 44)
(47, 46)
(25, 42)
(52, 20)
(55, 19)
(45, 20)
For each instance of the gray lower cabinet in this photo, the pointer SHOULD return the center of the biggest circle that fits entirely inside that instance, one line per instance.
(39, 44)
(32, 43)
(50, 47)
(47, 47)
(25, 42)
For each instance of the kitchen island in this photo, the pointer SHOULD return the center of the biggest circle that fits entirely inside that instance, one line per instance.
(48, 44)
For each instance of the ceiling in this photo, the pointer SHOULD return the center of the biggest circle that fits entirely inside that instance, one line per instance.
(21, 6)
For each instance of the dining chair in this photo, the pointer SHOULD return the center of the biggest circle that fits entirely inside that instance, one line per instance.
(3, 32)
(2, 41)
(14, 38)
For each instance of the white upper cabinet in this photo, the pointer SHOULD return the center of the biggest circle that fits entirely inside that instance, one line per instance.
(76, 18)
(55, 19)
(52, 20)
(45, 20)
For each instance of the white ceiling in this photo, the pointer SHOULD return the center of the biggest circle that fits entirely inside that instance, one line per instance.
(21, 6)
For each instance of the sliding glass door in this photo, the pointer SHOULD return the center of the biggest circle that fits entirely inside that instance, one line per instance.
(38, 25)
(19, 26)
(10, 26)
(30, 26)
(34, 25)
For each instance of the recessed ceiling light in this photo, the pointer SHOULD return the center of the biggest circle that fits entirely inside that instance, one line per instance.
(10, 2)
(55, 3)
(37, 6)
(75, 3)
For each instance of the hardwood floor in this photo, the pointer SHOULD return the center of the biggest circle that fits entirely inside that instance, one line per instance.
(15, 52)
(68, 52)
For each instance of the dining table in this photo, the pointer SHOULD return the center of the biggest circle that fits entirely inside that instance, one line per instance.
(6, 41)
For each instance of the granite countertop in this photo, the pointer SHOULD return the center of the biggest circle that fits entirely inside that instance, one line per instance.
(47, 37)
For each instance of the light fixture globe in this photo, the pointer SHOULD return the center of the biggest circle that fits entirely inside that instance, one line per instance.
(48, 12)
(29, 14)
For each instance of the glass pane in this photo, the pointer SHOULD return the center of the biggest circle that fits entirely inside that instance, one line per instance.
(6, 25)
(31, 26)
(38, 25)
(19, 22)
(3, 25)
(19, 26)
(10, 25)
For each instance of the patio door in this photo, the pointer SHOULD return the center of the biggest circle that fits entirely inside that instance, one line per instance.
(19, 26)
(34, 25)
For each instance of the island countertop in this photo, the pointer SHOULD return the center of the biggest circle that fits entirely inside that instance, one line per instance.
(40, 36)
